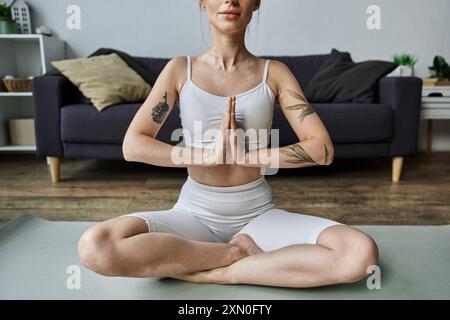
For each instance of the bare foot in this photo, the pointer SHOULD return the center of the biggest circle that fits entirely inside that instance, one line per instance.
(246, 244)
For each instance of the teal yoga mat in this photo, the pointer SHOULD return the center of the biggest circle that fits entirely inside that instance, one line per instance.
(38, 260)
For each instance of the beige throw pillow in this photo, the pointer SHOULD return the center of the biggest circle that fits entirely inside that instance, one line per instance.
(105, 79)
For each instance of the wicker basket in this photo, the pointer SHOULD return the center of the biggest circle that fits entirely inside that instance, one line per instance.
(18, 85)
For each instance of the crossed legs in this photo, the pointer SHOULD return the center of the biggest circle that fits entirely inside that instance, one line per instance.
(342, 255)
(123, 247)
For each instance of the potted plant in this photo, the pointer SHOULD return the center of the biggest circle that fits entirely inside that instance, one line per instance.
(440, 68)
(7, 24)
(405, 63)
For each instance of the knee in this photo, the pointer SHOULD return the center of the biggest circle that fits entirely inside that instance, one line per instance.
(355, 259)
(96, 251)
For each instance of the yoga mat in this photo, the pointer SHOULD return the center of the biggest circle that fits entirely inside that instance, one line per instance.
(39, 260)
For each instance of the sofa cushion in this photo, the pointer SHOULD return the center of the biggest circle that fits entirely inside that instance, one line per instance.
(84, 124)
(345, 122)
(302, 67)
(106, 80)
(133, 63)
(357, 122)
(153, 65)
(339, 79)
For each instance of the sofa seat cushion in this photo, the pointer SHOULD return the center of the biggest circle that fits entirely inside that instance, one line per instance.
(83, 123)
(345, 122)
(357, 122)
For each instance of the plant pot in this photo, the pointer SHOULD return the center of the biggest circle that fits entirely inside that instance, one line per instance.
(403, 71)
(406, 71)
(8, 27)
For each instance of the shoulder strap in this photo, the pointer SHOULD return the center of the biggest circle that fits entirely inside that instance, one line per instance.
(266, 70)
(189, 67)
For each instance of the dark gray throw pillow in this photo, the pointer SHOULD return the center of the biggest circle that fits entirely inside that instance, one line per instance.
(146, 74)
(339, 79)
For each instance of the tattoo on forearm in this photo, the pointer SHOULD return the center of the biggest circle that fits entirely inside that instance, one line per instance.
(160, 110)
(303, 106)
(297, 154)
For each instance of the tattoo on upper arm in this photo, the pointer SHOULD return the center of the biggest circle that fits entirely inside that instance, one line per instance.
(160, 110)
(303, 106)
(296, 154)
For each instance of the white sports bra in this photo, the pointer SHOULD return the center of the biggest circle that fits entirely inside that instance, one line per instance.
(201, 111)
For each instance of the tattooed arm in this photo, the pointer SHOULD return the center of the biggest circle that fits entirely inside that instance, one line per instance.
(140, 144)
(315, 146)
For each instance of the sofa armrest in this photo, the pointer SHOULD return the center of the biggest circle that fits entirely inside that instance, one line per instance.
(50, 93)
(404, 95)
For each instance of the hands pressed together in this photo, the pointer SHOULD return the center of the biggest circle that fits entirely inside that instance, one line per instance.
(229, 147)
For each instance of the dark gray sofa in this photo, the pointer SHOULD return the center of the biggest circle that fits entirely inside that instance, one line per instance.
(68, 128)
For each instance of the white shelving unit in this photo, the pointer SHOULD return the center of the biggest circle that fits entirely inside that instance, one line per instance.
(434, 108)
(16, 94)
(23, 55)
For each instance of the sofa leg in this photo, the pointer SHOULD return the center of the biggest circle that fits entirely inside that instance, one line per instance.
(54, 168)
(397, 163)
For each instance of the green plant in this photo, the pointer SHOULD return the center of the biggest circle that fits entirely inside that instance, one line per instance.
(440, 68)
(405, 59)
(5, 12)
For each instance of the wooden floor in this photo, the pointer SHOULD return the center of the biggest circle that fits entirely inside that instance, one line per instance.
(349, 191)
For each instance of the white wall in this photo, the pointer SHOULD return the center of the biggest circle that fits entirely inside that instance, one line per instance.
(168, 28)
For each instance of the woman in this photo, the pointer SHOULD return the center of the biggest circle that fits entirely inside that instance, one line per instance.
(225, 228)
